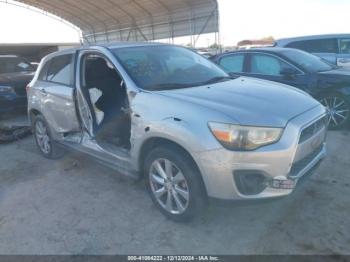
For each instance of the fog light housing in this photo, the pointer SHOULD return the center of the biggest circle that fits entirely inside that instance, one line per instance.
(250, 182)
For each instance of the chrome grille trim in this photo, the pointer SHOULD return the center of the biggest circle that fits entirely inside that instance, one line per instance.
(313, 129)
(303, 163)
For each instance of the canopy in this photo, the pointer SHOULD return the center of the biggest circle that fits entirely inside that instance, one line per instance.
(134, 20)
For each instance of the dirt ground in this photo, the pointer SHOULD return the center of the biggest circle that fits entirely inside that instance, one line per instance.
(76, 206)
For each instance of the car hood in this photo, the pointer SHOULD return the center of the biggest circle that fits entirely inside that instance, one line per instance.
(18, 81)
(336, 78)
(249, 101)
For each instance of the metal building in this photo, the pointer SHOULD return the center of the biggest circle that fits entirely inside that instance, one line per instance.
(33, 52)
(135, 20)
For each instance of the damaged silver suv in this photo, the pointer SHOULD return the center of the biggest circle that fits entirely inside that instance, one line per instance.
(170, 116)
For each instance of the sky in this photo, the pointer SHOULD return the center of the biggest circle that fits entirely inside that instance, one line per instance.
(239, 20)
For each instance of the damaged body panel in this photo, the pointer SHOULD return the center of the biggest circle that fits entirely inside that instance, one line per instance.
(169, 115)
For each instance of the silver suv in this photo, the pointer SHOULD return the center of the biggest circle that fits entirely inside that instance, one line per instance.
(166, 114)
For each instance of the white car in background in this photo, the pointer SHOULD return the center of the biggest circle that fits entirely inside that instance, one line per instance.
(333, 48)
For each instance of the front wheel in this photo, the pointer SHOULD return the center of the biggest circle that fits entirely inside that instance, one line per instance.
(338, 108)
(174, 183)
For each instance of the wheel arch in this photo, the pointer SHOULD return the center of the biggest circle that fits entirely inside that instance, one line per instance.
(33, 113)
(342, 94)
(154, 142)
(339, 91)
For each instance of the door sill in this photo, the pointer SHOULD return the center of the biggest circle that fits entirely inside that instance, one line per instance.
(72, 137)
(119, 160)
(114, 149)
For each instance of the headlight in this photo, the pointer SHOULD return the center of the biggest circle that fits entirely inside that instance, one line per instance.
(6, 89)
(244, 138)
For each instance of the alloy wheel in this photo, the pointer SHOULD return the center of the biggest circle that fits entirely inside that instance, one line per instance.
(169, 186)
(42, 137)
(338, 110)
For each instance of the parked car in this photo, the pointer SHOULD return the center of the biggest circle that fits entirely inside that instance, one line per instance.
(327, 83)
(333, 48)
(169, 115)
(15, 74)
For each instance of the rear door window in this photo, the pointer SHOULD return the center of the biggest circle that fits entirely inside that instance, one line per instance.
(316, 46)
(233, 63)
(344, 46)
(60, 70)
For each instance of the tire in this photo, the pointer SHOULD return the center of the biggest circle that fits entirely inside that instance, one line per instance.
(338, 107)
(178, 187)
(43, 138)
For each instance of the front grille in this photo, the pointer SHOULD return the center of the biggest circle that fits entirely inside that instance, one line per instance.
(301, 164)
(312, 129)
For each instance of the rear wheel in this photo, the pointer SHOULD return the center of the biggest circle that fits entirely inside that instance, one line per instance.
(43, 139)
(174, 183)
(338, 108)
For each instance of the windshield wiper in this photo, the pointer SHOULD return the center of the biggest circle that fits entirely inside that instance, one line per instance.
(218, 79)
(167, 86)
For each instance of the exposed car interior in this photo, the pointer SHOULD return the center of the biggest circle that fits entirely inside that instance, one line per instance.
(106, 94)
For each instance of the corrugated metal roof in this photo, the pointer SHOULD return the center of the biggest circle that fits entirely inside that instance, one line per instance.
(134, 20)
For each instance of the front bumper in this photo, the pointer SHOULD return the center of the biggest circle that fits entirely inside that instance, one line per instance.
(281, 165)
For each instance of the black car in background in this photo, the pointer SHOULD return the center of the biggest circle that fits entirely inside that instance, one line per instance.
(15, 74)
(325, 82)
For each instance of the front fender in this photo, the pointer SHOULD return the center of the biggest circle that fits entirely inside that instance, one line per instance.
(193, 138)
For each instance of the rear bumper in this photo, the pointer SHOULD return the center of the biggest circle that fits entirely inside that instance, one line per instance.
(275, 169)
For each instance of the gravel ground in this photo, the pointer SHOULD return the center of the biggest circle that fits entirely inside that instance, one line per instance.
(76, 206)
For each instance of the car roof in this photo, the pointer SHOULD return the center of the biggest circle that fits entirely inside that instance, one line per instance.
(284, 41)
(113, 45)
(130, 44)
(272, 50)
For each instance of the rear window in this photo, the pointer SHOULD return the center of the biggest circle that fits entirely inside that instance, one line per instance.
(316, 46)
(59, 70)
(308, 62)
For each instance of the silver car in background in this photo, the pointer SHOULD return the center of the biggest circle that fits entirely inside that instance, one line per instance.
(333, 48)
(170, 116)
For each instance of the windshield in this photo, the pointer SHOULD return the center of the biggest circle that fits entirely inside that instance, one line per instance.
(309, 62)
(14, 65)
(168, 67)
